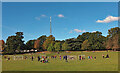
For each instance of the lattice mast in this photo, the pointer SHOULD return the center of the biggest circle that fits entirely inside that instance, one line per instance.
(50, 27)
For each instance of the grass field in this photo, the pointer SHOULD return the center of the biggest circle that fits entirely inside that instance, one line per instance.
(99, 64)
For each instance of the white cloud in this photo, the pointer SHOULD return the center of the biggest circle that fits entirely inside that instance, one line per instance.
(43, 15)
(60, 15)
(37, 18)
(79, 31)
(108, 19)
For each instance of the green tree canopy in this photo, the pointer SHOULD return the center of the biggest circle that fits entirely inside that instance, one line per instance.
(51, 46)
(65, 46)
(85, 45)
(57, 46)
(113, 40)
(48, 41)
(30, 44)
(15, 43)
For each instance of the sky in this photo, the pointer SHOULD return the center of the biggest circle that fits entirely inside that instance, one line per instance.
(68, 19)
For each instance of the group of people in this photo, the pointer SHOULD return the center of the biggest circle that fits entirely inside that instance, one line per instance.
(7, 58)
(81, 57)
(107, 56)
(65, 58)
(91, 57)
(42, 59)
(54, 57)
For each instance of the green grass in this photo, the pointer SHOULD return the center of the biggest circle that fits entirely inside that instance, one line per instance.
(99, 64)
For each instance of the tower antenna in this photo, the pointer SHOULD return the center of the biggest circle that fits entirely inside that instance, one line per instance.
(50, 27)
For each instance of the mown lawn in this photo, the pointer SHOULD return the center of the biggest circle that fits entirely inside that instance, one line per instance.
(99, 64)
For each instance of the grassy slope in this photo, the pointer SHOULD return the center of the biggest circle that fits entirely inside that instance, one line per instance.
(99, 64)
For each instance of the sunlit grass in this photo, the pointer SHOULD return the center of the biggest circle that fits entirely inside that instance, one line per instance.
(99, 64)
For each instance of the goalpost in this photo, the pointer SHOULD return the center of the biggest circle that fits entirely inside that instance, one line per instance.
(72, 57)
(20, 57)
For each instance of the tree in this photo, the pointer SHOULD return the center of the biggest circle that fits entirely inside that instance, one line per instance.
(30, 44)
(76, 44)
(37, 44)
(41, 41)
(99, 46)
(57, 46)
(19, 41)
(51, 46)
(85, 45)
(81, 38)
(109, 44)
(65, 46)
(2, 45)
(15, 43)
(113, 41)
(113, 31)
(96, 40)
(116, 44)
(48, 41)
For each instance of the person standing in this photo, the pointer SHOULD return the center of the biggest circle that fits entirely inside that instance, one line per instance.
(88, 57)
(38, 58)
(32, 58)
(107, 56)
(91, 57)
(60, 57)
(79, 57)
(95, 57)
(66, 58)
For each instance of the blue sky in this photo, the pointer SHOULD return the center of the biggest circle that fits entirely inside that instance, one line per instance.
(68, 19)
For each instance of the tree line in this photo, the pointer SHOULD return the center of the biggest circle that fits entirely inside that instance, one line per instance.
(87, 41)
